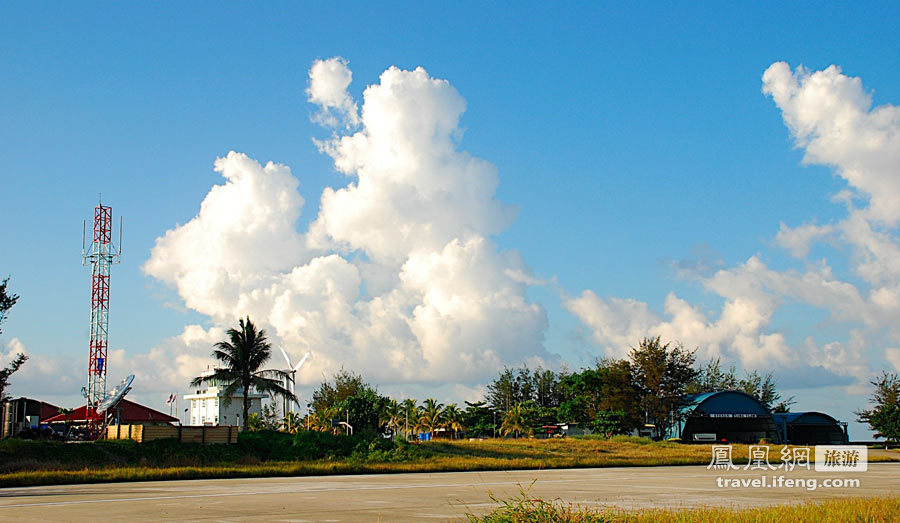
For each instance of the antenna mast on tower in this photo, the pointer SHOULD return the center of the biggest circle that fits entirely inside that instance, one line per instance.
(101, 255)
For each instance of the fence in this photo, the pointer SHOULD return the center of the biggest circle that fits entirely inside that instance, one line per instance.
(190, 434)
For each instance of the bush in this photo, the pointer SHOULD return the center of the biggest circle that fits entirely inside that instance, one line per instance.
(318, 445)
(171, 452)
(267, 445)
(252, 447)
(311, 445)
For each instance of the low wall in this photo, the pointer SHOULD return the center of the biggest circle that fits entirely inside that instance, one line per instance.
(199, 434)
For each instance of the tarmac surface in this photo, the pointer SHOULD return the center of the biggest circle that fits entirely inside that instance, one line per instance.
(421, 497)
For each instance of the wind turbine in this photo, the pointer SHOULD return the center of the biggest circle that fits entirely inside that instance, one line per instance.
(292, 369)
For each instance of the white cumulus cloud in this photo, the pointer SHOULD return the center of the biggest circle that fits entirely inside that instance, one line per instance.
(831, 117)
(328, 83)
(397, 276)
(54, 377)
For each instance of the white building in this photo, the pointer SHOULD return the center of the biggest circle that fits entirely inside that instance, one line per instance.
(208, 405)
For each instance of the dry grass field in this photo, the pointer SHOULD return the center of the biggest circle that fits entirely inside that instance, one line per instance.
(868, 510)
(29, 463)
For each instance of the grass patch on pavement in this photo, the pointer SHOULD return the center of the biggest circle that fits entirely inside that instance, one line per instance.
(524, 509)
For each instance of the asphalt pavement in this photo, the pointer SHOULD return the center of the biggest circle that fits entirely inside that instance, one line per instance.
(418, 497)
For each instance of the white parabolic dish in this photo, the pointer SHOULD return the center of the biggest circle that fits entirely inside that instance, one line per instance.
(116, 395)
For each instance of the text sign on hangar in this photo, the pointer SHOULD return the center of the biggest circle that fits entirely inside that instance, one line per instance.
(733, 415)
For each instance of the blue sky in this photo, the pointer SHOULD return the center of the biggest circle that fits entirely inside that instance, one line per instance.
(631, 139)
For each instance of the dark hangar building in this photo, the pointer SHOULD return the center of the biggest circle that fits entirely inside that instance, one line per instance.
(736, 417)
(726, 416)
(811, 428)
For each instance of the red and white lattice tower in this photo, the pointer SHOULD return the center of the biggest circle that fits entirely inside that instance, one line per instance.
(101, 254)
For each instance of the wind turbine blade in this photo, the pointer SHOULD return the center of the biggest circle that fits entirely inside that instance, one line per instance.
(286, 358)
(302, 361)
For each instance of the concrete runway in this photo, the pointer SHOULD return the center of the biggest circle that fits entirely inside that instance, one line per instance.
(414, 497)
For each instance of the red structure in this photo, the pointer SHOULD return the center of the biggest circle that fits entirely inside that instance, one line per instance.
(128, 412)
(102, 254)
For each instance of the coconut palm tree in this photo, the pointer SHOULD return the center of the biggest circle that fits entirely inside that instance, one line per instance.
(431, 417)
(392, 416)
(242, 359)
(453, 419)
(514, 421)
(411, 413)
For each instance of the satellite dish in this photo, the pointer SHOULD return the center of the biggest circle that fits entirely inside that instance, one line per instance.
(116, 395)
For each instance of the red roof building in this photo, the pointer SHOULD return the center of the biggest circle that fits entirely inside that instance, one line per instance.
(129, 412)
(24, 413)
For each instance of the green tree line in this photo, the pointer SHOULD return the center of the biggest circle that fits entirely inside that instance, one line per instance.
(615, 396)
(645, 390)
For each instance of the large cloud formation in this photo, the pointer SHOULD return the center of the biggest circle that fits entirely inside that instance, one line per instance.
(831, 118)
(397, 276)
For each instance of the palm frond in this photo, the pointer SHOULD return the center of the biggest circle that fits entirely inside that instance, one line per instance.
(225, 354)
(272, 386)
(229, 391)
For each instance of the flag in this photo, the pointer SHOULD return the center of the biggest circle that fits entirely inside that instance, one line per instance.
(171, 399)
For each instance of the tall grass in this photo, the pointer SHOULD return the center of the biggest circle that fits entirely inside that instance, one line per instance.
(523, 508)
(275, 454)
